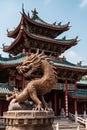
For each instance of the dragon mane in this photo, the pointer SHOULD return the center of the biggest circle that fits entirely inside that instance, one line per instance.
(32, 63)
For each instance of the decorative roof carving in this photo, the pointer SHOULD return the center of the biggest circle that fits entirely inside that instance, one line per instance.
(37, 22)
(75, 72)
(23, 7)
(34, 13)
(63, 44)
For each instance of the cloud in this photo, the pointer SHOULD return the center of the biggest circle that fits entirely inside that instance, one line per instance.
(83, 3)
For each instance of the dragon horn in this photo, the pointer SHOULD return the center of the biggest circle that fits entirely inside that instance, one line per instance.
(41, 54)
(29, 59)
(43, 57)
(37, 62)
(37, 52)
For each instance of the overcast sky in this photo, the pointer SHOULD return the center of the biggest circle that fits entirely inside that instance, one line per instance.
(73, 11)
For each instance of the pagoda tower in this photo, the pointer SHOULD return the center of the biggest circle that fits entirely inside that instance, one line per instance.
(34, 33)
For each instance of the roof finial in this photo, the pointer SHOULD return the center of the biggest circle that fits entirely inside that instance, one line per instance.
(54, 23)
(76, 37)
(68, 23)
(34, 12)
(7, 30)
(59, 24)
(23, 7)
(28, 14)
(64, 38)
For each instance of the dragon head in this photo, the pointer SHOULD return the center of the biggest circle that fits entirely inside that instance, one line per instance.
(31, 64)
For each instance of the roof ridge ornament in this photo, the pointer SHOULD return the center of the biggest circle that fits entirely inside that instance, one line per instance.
(28, 14)
(34, 13)
(7, 30)
(76, 37)
(64, 38)
(59, 24)
(54, 23)
(23, 7)
(68, 23)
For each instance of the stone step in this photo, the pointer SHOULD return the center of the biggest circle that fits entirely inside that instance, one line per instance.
(68, 125)
(69, 128)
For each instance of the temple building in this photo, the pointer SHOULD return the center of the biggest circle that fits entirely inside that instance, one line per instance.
(32, 33)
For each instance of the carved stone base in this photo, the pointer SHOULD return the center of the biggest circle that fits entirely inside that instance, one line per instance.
(28, 120)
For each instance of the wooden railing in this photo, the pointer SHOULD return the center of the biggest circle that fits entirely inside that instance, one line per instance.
(82, 121)
(79, 119)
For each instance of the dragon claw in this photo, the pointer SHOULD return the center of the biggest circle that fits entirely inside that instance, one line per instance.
(48, 109)
(39, 108)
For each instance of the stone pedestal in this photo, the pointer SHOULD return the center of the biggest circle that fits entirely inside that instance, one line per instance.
(28, 120)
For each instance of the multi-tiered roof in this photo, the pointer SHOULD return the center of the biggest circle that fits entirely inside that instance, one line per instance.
(34, 33)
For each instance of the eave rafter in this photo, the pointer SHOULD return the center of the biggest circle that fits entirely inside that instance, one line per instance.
(53, 43)
(15, 32)
(6, 66)
(49, 30)
(47, 26)
(70, 74)
(48, 42)
(18, 49)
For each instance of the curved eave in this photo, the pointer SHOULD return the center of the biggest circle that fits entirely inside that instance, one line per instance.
(70, 72)
(77, 72)
(70, 68)
(49, 40)
(52, 41)
(49, 26)
(14, 33)
(11, 62)
(41, 39)
(81, 97)
(3, 66)
(18, 38)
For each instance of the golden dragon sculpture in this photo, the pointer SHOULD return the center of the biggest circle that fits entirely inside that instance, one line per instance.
(34, 64)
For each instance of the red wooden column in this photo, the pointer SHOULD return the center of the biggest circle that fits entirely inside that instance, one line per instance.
(23, 82)
(75, 103)
(55, 103)
(84, 110)
(66, 98)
